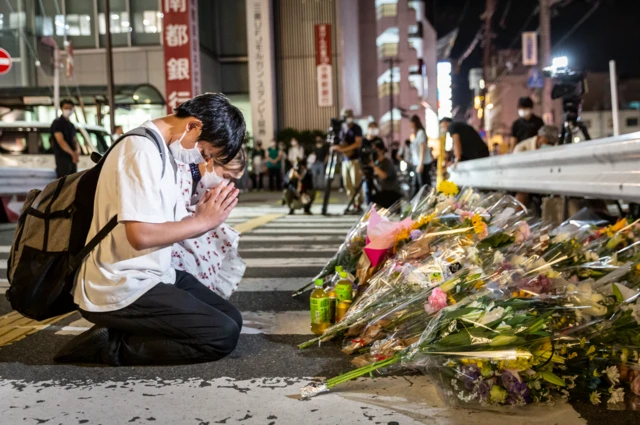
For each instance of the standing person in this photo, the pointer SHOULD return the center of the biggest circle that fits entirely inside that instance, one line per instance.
(145, 311)
(274, 164)
(527, 125)
(404, 153)
(66, 148)
(496, 150)
(296, 152)
(368, 153)
(321, 152)
(117, 132)
(467, 143)
(258, 159)
(350, 144)
(420, 154)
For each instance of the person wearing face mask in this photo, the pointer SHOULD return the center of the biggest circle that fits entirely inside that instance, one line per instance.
(274, 164)
(321, 152)
(66, 148)
(258, 159)
(144, 310)
(367, 152)
(296, 152)
(213, 257)
(350, 145)
(527, 125)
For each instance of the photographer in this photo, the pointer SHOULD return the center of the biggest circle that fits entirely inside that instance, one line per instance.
(350, 145)
(387, 188)
(299, 192)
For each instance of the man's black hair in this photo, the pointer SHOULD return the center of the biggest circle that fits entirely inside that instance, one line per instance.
(66, 102)
(379, 144)
(446, 119)
(223, 124)
(525, 102)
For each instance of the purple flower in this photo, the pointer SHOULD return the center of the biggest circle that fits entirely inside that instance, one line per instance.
(469, 375)
(415, 234)
(517, 389)
(484, 389)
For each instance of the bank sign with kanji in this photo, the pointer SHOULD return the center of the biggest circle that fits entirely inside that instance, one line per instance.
(181, 51)
(324, 66)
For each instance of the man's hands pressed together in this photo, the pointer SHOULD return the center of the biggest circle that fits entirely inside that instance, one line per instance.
(215, 206)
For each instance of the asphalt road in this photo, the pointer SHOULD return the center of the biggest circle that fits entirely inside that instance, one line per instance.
(259, 382)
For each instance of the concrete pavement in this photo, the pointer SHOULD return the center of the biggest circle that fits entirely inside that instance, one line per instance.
(257, 384)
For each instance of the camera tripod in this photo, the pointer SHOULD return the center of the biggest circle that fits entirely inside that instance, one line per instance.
(571, 110)
(329, 176)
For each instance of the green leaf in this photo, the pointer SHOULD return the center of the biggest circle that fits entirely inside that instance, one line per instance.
(552, 378)
(617, 293)
(501, 340)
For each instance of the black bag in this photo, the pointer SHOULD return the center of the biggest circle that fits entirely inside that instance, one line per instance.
(50, 241)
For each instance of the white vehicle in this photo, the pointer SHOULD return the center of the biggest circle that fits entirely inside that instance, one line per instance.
(25, 144)
(27, 161)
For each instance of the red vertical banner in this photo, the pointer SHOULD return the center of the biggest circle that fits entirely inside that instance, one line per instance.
(324, 66)
(181, 51)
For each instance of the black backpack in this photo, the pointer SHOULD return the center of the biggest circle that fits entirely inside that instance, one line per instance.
(50, 241)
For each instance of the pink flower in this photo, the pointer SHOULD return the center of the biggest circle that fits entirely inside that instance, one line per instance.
(635, 383)
(466, 214)
(437, 301)
(522, 232)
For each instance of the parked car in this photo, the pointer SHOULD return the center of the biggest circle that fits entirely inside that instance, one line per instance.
(27, 161)
(25, 144)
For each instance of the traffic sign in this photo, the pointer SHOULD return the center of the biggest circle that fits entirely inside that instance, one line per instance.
(535, 80)
(5, 61)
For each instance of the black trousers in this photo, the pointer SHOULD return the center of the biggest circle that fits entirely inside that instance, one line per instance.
(424, 178)
(171, 324)
(258, 181)
(65, 166)
(275, 179)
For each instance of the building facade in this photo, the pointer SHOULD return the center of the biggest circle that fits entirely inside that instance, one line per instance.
(377, 57)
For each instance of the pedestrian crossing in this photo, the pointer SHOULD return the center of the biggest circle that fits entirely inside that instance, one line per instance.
(257, 384)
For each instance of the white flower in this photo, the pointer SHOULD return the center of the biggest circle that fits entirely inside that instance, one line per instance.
(595, 398)
(613, 374)
(617, 395)
(498, 258)
(561, 237)
(491, 316)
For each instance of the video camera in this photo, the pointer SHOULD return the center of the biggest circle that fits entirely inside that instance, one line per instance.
(333, 133)
(569, 85)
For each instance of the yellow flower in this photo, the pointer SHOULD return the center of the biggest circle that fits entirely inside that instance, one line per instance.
(596, 373)
(479, 226)
(403, 234)
(448, 188)
(583, 341)
(572, 355)
(591, 350)
(423, 219)
(611, 230)
(479, 284)
(451, 300)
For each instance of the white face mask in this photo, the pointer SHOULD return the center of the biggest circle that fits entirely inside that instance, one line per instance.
(374, 132)
(67, 112)
(211, 179)
(186, 156)
(349, 120)
(524, 112)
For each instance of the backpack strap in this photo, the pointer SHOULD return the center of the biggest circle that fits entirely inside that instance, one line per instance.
(75, 262)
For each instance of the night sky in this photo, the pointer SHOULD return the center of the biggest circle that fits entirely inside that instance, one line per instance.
(612, 32)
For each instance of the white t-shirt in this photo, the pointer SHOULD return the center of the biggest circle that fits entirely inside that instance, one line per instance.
(526, 145)
(115, 275)
(418, 141)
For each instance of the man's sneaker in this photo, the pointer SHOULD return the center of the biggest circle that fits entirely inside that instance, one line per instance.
(85, 348)
(292, 212)
(307, 212)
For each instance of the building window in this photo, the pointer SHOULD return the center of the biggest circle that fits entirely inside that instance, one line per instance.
(385, 89)
(118, 22)
(387, 50)
(79, 24)
(387, 10)
(147, 23)
(632, 122)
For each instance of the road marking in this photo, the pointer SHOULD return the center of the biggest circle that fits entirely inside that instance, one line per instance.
(14, 326)
(406, 400)
(4, 249)
(308, 230)
(290, 239)
(329, 250)
(256, 222)
(283, 225)
(3, 263)
(272, 284)
(254, 322)
(285, 262)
